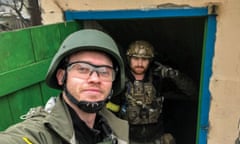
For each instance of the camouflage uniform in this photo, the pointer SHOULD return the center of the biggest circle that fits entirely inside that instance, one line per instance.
(142, 101)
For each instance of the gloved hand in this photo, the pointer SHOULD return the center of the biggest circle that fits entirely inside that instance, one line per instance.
(165, 72)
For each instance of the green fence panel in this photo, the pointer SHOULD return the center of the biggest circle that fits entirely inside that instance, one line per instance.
(45, 40)
(25, 56)
(22, 77)
(67, 28)
(21, 101)
(15, 50)
(6, 115)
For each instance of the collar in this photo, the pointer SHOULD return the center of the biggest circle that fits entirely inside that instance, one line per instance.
(59, 120)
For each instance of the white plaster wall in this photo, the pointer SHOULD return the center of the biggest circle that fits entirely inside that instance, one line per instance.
(225, 81)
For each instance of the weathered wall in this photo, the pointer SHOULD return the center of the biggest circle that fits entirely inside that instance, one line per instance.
(225, 81)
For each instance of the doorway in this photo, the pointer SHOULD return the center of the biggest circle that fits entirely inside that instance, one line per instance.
(180, 39)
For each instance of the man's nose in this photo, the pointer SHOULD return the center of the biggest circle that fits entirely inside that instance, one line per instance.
(94, 76)
(140, 62)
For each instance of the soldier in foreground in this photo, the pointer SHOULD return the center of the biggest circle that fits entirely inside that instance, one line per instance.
(88, 70)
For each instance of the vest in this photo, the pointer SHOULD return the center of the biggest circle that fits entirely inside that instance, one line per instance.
(144, 103)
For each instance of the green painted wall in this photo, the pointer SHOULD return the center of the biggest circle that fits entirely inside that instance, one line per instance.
(25, 55)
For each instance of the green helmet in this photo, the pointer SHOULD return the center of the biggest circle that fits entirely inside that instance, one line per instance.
(141, 49)
(87, 39)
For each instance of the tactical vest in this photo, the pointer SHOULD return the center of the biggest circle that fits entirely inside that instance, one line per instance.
(143, 104)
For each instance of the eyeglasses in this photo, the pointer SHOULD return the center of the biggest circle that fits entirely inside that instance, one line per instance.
(85, 69)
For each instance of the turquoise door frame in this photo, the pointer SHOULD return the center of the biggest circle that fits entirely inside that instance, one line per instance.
(208, 47)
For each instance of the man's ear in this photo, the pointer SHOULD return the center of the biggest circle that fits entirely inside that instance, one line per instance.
(60, 76)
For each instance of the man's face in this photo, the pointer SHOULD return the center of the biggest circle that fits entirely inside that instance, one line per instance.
(139, 65)
(87, 87)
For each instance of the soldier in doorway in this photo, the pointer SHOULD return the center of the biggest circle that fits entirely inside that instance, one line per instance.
(141, 103)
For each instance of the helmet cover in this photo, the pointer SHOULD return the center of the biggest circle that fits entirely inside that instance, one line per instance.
(141, 49)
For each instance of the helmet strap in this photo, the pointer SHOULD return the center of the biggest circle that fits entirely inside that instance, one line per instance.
(89, 107)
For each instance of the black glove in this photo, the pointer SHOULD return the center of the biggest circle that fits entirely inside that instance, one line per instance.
(165, 72)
